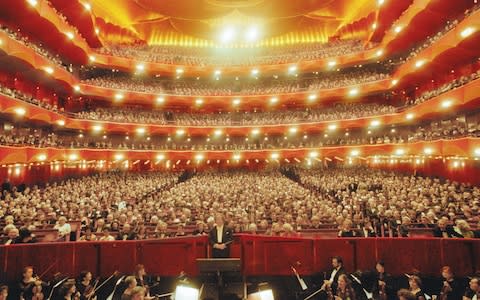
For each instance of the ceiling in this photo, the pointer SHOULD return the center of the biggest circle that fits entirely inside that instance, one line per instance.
(235, 22)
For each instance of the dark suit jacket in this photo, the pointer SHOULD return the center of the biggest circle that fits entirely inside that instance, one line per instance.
(335, 278)
(227, 236)
(437, 232)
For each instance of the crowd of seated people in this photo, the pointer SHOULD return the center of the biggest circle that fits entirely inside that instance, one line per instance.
(450, 24)
(232, 56)
(17, 94)
(449, 128)
(350, 202)
(138, 115)
(324, 81)
(39, 49)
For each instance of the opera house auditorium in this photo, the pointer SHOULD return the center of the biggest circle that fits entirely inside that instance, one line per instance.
(240, 149)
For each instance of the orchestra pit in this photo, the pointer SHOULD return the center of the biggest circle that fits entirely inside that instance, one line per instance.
(239, 149)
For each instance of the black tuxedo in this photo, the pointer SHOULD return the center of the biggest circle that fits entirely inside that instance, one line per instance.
(334, 285)
(450, 232)
(227, 237)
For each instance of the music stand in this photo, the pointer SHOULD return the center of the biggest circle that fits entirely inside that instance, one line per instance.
(219, 266)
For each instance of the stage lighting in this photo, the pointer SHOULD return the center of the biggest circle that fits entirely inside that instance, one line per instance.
(42, 157)
(218, 132)
(237, 156)
(87, 6)
(332, 63)
(354, 153)
(379, 53)
(252, 34)
(273, 100)
(293, 130)
(61, 122)
(140, 67)
(467, 32)
(118, 96)
(398, 29)
(228, 35)
(375, 123)
(332, 127)
(199, 101)
(394, 82)
(179, 71)
(236, 101)
(380, 2)
(262, 295)
(180, 132)
(20, 111)
(374, 26)
(255, 72)
(118, 156)
(76, 88)
(292, 69)
(255, 131)
(313, 154)
(184, 292)
(140, 130)
(92, 58)
(160, 157)
(70, 35)
(477, 152)
(399, 152)
(217, 72)
(312, 97)
(160, 99)
(97, 128)
(199, 157)
(409, 116)
(97, 31)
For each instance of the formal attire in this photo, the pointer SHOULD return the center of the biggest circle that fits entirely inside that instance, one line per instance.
(332, 277)
(221, 235)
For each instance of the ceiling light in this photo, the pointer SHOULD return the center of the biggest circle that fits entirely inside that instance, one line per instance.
(292, 69)
(394, 82)
(160, 99)
(467, 32)
(313, 154)
(398, 29)
(312, 97)
(409, 116)
(332, 63)
(255, 72)
(87, 6)
(118, 156)
(20, 111)
(332, 126)
(217, 132)
(140, 130)
(428, 151)
(118, 96)
(92, 58)
(273, 100)
(217, 72)
(199, 101)
(236, 101)
(379, 53)
(293, 129)
(76, 88)
(199, 157)
(140, 67)
(96, 128)
(180, 132)
(419, 63)
(375, 123)
(477, 152)
(374, 26)
(353, 92)
(380, 2)
(49, 70)
(228, 35)
(97, 31)
(275, 155)
(70, 35)
(179, 71)
(61, 122)
(354, 153)
(447, 103)
(73, 156)
(160, 156)
(399, 152)
(32, 2)
(42, 157)
(255, 131)
(237, 156)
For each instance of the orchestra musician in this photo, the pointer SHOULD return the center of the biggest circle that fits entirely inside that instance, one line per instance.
(452, 287)
(84, 285)
(344, 290)
(381, 287)
(415, 284)
(404, 294)
(29, 284)
(138, 293)
(337, 270)
(220, 238)
(473, 290)
(69, 291)
(3, 292)
(147, 282)
(131, 284)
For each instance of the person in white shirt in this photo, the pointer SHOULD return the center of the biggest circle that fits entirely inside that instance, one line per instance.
(63, 227)
(106, 236)
(220, 238)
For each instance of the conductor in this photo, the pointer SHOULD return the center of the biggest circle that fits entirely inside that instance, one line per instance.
(220, 238)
